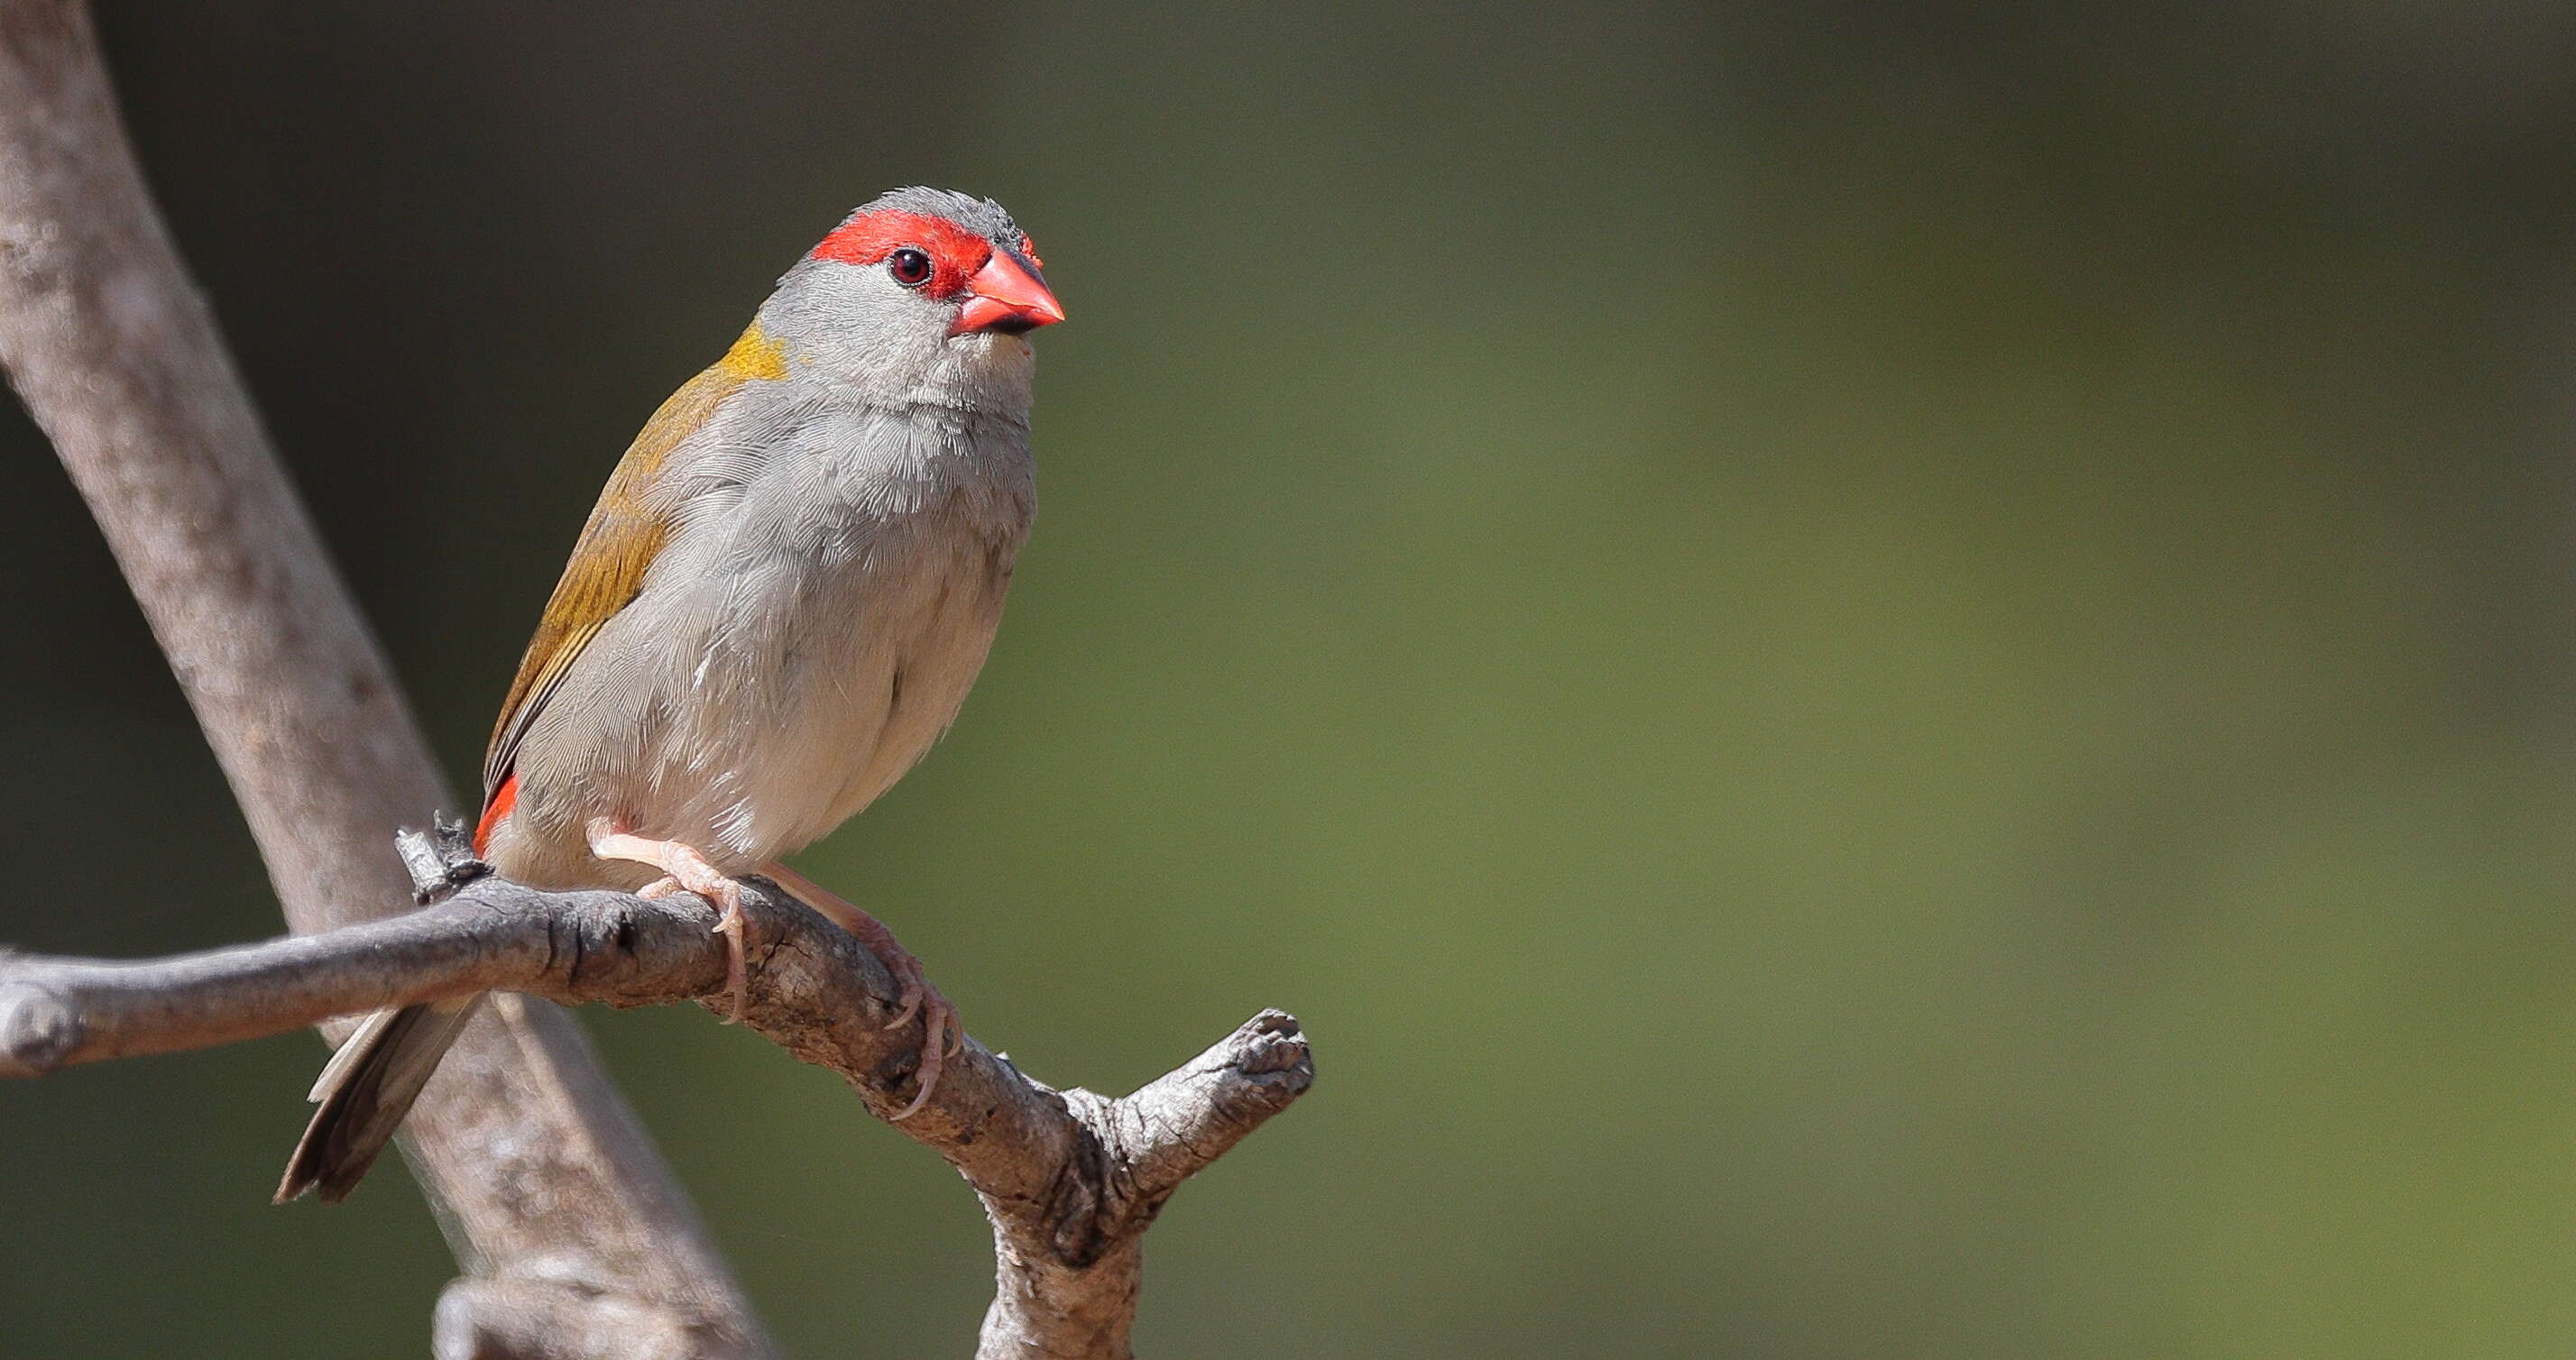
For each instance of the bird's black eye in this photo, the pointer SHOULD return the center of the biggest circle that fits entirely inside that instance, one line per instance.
(910, 267)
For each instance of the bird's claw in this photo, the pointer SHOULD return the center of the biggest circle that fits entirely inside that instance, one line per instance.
(907, 1002)
(941, 1035)
(729, 923)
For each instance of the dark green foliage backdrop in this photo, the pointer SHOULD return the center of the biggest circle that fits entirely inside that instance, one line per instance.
(1889, 680)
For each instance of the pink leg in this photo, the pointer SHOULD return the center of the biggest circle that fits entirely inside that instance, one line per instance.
(941, 1035)
(688, 869)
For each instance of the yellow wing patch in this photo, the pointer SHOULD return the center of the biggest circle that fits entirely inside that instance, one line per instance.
(618, 544)
(755, 355)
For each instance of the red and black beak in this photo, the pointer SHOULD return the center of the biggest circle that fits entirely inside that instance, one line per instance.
(1007, 296)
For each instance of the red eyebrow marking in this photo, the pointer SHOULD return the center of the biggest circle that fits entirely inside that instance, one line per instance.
(955, 252)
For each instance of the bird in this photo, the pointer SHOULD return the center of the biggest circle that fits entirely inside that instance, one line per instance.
(775, 608)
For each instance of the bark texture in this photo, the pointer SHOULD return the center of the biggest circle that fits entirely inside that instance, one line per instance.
(1070, 1180)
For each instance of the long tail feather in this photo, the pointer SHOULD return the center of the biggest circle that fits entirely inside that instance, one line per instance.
(366, 1090)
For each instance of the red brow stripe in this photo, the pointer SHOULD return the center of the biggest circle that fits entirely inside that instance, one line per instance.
(955, 251)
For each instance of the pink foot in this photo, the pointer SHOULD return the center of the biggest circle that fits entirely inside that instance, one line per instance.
(941, 1035)
(687, 869)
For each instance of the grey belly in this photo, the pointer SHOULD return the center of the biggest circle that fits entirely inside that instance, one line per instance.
(813, 726)
(753, 714)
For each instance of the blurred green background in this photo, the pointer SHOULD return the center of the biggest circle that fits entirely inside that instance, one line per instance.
(1888, 680)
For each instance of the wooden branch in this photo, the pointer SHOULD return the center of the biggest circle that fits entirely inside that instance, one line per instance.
(1070, 1180)
(119, 361)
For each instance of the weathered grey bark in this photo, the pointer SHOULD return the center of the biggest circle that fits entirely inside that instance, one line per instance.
(1069, 1179)
(118, 359)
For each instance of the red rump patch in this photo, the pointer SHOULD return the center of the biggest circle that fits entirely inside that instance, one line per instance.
(504, 798)
(955, 252)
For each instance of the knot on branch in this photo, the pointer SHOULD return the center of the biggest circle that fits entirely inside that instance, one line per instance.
(439, 860)
(38, 1029)
(1265, 1064)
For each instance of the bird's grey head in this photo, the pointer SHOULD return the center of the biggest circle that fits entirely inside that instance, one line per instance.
(920, 296)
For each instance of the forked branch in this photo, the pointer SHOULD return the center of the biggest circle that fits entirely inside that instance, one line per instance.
(1070, 1180)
